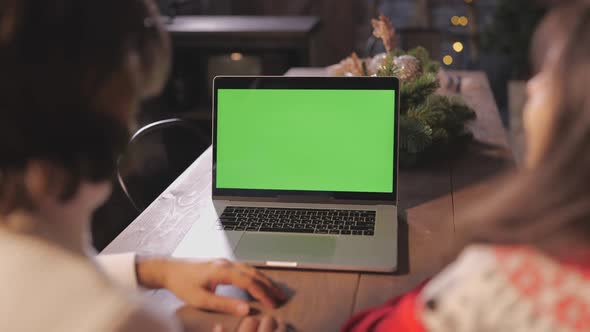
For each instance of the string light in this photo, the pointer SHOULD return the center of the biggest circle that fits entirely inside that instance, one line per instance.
(448, 60)
(455, 20)
(458, 47)
(236, 56)
(464, 21)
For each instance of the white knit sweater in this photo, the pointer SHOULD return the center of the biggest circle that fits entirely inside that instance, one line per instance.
(46, 288)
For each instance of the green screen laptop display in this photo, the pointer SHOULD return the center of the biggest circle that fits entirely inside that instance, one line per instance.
(310, 140)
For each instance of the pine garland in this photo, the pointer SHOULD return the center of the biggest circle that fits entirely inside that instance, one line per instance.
(428, 121)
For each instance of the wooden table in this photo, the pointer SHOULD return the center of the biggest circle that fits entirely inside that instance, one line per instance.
(246, 33)
(432, 196)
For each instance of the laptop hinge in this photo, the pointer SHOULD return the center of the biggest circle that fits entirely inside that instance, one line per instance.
(327, 200)
(302, 199)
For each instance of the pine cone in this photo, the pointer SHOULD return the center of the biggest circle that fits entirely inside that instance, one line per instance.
(409, 67)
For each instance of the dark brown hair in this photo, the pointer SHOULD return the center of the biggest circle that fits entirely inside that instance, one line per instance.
(552, 199)
(71, 74)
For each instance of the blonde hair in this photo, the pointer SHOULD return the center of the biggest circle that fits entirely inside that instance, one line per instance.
(552, 199)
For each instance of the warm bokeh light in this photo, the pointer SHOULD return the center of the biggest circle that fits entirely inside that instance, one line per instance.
(458, 47)
(448, 60)
(464, 21)
(468, 1)
(455, 20)
(236, 56)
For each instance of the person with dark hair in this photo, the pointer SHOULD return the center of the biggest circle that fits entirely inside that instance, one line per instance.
(527, 263)
(72, 74)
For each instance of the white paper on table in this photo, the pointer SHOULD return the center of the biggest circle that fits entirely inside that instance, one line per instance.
(204, 241)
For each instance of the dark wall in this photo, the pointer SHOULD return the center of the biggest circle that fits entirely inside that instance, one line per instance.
(343, 22)
(197, 7)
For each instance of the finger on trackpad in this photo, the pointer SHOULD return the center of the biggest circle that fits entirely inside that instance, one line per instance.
(233, 292)
(240, 294)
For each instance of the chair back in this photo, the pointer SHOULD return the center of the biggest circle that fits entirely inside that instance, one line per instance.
(156, 155)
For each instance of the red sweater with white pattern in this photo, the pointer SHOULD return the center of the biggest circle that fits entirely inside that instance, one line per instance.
(490, 289)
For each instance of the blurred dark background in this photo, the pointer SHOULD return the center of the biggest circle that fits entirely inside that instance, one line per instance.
(491, 35)
(267, 37)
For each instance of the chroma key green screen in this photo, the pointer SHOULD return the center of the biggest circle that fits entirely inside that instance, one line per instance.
(313, 140)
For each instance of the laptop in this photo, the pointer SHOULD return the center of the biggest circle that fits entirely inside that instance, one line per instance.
(305, 171)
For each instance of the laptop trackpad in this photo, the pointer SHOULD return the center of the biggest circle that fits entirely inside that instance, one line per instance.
(262, 247)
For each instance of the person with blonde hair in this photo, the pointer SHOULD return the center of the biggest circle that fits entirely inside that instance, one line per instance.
(526, 267)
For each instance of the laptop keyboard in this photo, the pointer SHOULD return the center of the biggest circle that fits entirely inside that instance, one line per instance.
(316, 221)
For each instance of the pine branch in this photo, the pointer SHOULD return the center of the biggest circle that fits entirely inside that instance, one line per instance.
(425, 114)
(415, 92)
(421, 53)
(432, 67)
(440, 136)
(388, 68)
(453, 113)
(398, 52)
(458, 114)
(428, 65)
(416, 136)
(438, 120)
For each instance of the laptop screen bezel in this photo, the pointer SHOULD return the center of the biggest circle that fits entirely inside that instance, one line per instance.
(325, 83)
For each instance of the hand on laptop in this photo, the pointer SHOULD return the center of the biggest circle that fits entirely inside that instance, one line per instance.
(195, 283)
